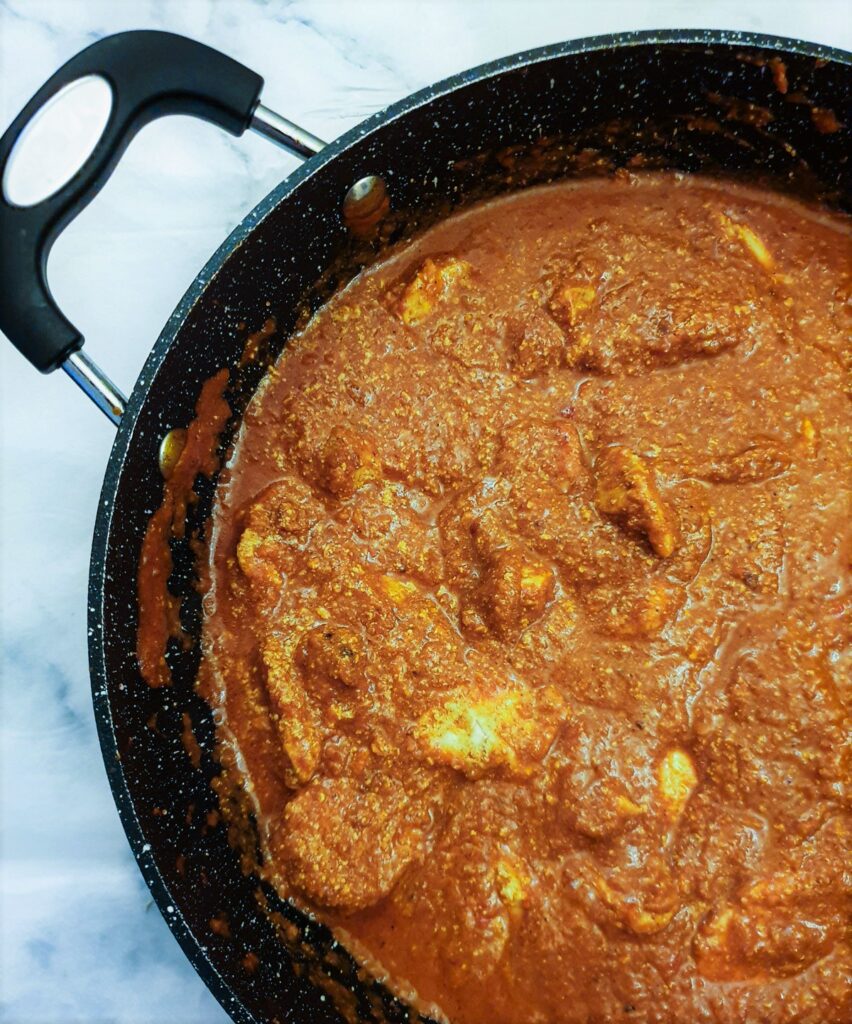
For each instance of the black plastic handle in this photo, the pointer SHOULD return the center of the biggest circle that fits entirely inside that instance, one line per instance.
(151, 74)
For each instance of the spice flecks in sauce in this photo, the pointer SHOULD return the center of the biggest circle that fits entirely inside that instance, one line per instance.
(528, 611)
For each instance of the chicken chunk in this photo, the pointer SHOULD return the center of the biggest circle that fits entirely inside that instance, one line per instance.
(512, 882)
(569, 300)
(641, 894)
(540, 454)
(391, 534)
(281, 514)
(436, 277)
(283, 509)
(742, 233)
(516, 591)
(808, 433)
(477, 892)
(298, 721)
(498, 890)
(255, 557)
(630, 302)
(631, 911)
(516, 585)
(535, 343)
(634, 607)
(347, 462)
(761, 460)
(400, 591)
(787, 727)
(336, 653)
(476, 731)
(778, 927)
(677, 779)
(626, 490)
(606, 785)
(346, 843)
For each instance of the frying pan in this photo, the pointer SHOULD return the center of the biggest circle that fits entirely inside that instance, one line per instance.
(744, 105)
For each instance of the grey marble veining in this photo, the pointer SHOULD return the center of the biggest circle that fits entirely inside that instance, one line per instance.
(80, 941)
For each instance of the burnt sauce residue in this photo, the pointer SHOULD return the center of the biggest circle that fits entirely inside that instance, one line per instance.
(528, 612)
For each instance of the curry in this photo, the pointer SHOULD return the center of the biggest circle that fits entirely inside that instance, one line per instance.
(528, 611)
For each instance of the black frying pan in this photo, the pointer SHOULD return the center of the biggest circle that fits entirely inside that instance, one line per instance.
(697, 101)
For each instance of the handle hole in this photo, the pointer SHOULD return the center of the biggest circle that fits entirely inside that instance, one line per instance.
(57, 141)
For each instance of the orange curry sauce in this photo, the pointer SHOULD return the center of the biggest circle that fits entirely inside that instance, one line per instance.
(527, 609)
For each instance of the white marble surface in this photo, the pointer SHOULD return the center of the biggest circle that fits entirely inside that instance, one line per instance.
(81, 940)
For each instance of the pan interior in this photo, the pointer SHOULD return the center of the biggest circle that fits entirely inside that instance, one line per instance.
(707, 105)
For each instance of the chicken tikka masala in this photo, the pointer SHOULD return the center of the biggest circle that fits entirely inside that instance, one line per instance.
(528, 614)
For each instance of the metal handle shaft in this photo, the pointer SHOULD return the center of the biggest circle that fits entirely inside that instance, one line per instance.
(92, 381)
(285, 133)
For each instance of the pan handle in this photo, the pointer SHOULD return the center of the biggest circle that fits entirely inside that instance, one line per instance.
(150, 74)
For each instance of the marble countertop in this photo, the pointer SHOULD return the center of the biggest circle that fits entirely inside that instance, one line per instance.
(80, 939)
